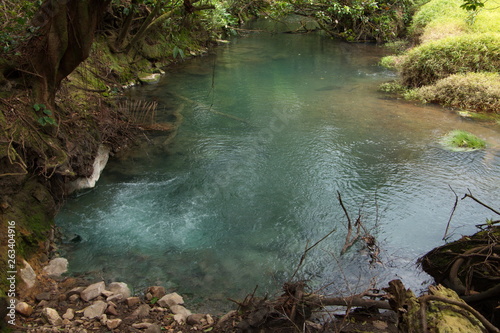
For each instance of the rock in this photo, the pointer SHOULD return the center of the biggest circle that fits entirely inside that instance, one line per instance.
(111, 310)
(180, 313)
(157, 291)
(73, 298)
(75, 291)
(150, 79)
(111, 324)
(226, 317)
(196, 319)
(170, 299)
(56, 267)
(131, 301)
(100, 162)
(28, 275)
(24, 309)
(95, 310)
(141, 312)
(104, 319)
(51, 316)
(119, 288)
(107, 293)
(141, 325)
(114, 298)
(153, 329)
(210, 320)
(70, 314)
(92, 291)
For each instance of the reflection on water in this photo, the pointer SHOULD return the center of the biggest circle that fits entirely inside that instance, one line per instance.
(274, 126)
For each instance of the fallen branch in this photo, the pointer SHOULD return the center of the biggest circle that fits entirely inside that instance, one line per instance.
(469, 195)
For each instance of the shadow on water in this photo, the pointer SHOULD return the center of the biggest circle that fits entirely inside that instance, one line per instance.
(274, 125)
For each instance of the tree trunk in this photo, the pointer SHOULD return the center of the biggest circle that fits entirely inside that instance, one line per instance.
(67, 29)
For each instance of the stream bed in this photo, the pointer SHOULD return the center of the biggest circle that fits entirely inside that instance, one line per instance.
(274, 127)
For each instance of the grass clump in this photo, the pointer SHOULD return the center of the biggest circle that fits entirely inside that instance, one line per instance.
(463, 141)
(436, 60)
(470, 91)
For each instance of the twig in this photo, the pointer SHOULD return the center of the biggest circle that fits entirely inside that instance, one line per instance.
(451, 215)
(303, 257)
(479, 202)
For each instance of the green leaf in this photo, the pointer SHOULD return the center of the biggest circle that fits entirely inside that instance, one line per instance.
(177, 51)
(41, 121)
(47, 112)
(50, 121)
(36, 107)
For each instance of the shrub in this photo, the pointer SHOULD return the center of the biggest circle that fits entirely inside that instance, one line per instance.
(436, 60)
(462, 140)
(471, 91)
(436, 10)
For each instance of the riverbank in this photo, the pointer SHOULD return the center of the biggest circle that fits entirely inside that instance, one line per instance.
(453, 59)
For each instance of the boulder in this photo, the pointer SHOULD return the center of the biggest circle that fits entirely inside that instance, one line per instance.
(56, 267)
(51, 316)
(92, 291)
(170, 300)
(28, 275)
(95, 310)
(119, 288)
(24, 309)
(89, 182)
(150, 79)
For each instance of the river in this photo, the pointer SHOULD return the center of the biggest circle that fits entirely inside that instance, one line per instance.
(275, 125)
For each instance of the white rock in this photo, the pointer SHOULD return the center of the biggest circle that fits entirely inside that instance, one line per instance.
(24, 308)
(141, 325)
(28, 275)
(150, 79)
(104, 319)
(171, 299)
(92, 291)
(113, 323)
(70, 314)
(119, 288)
(179, 309)
(51, 316)
(56, 267)
(100, 162)
(95, 310)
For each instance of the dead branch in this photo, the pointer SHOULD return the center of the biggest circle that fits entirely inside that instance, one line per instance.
(451, 215)
(469, 195)
(349, 301)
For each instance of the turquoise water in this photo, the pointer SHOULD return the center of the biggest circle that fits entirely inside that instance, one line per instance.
(274, 125)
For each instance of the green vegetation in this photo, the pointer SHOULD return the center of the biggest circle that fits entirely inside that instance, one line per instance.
(357, 20)
(438, 59)
(463, 141)
(470, 91)
(458, 59)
